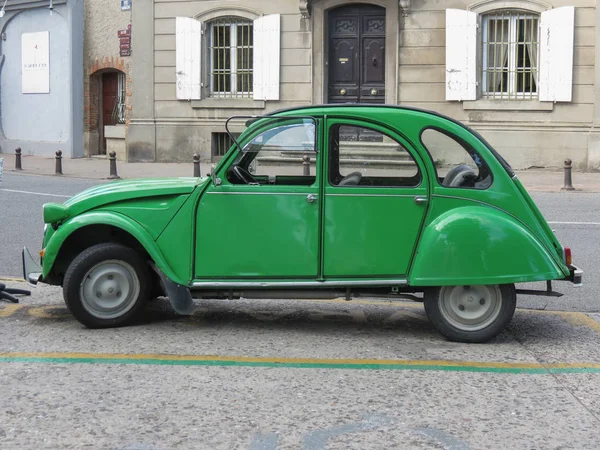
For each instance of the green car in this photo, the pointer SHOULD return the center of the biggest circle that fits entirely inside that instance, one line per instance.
(316, 202)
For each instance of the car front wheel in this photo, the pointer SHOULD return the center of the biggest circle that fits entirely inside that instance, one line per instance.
(107, 285)
(471, 313)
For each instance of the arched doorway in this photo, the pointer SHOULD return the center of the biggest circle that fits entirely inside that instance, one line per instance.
(107, 96)
(356, 54)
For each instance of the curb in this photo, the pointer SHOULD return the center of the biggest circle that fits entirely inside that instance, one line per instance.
(51, 175)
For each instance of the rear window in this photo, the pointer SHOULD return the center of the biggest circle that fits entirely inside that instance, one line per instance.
(456, 163)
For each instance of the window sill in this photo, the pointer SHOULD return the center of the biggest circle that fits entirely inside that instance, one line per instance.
(508, 105)
(233, 103)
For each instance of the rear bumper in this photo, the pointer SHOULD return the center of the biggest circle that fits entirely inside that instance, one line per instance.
(575, 275)
(32, 272)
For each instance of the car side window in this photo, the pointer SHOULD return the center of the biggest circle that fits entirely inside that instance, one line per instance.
(277, 156)
(456, 163)
(361, 156)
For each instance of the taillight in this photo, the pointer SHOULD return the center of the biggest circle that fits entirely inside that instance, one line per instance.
(567, 256)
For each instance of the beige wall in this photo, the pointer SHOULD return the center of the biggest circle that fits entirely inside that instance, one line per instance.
(103, 19)
(416, 46)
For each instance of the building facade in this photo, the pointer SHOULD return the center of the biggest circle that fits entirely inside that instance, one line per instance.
(41, 79)
(107, 76)
(522, 72)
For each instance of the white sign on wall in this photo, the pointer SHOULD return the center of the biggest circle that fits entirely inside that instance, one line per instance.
(35, 60)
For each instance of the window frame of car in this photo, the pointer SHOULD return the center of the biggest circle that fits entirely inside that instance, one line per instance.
(257, 125)
(468, 148)
(392, 133)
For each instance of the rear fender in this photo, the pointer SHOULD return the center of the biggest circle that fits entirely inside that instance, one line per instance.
(480, 245)
(108, 218)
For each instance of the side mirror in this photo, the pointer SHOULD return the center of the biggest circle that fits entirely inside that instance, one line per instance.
(215, 180)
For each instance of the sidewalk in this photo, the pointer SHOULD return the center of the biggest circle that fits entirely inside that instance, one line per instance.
(540, 180)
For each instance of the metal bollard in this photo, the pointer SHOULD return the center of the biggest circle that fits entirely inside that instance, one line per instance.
(196, 162)
(18, 165)
(568, 182)
(112, 158)
(58, 166)
(306, 166)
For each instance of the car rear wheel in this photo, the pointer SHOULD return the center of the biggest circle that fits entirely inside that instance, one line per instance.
(471, 313)
(107, 285)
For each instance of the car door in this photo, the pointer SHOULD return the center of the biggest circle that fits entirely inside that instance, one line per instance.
(376, 195)
(262, 220)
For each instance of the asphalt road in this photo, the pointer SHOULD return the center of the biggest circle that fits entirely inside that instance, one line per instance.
(574, 216)
(21, 224)
(310, 375)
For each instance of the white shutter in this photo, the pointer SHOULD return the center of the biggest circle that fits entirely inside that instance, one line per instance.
(266, 57)
(557, 29)
(187, 44)
(461, 55)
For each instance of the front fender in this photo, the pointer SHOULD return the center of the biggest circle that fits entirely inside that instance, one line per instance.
(480, 245)
(111, 219)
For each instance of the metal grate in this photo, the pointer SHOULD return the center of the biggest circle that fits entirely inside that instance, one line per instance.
(231, 53)
(118, 113)
(510, 55)
(221, 143)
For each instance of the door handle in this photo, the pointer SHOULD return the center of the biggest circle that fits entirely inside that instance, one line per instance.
(311, 198)
(419, 200)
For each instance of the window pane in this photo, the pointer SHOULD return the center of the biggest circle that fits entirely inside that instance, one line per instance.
(231, 57)
(510, 55)
(276, 155)
(456, 163)
(360, 156)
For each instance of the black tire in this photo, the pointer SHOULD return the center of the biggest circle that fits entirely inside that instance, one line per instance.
(114, 273)
(443, 307)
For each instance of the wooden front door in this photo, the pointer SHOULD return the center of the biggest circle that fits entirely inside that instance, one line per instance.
(110, 93)
(356, 66)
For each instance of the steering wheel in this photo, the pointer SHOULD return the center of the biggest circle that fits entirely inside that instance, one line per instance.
(243, 175)
(352, 179)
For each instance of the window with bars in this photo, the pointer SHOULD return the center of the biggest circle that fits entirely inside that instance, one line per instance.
(231, 54)
(510, 55)
(221, 143)
(118, 113)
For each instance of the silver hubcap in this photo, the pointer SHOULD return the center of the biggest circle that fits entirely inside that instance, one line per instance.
(470, 308)
(109, 289)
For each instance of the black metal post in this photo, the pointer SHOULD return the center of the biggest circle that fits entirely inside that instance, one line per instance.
(196, 162)
(18, 165)
(568, 182)
(112, 158)
(58, 168)
(306, 166)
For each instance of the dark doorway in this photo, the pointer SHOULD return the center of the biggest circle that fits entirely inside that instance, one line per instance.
(356, 38)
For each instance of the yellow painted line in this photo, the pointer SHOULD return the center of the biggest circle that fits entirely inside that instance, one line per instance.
(245, 361)
(575, 318)
(46, 312)
(12, 279)
(9, 310)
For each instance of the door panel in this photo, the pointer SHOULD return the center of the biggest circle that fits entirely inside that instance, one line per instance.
(258, 232)
(371, 228)
(368, 233)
